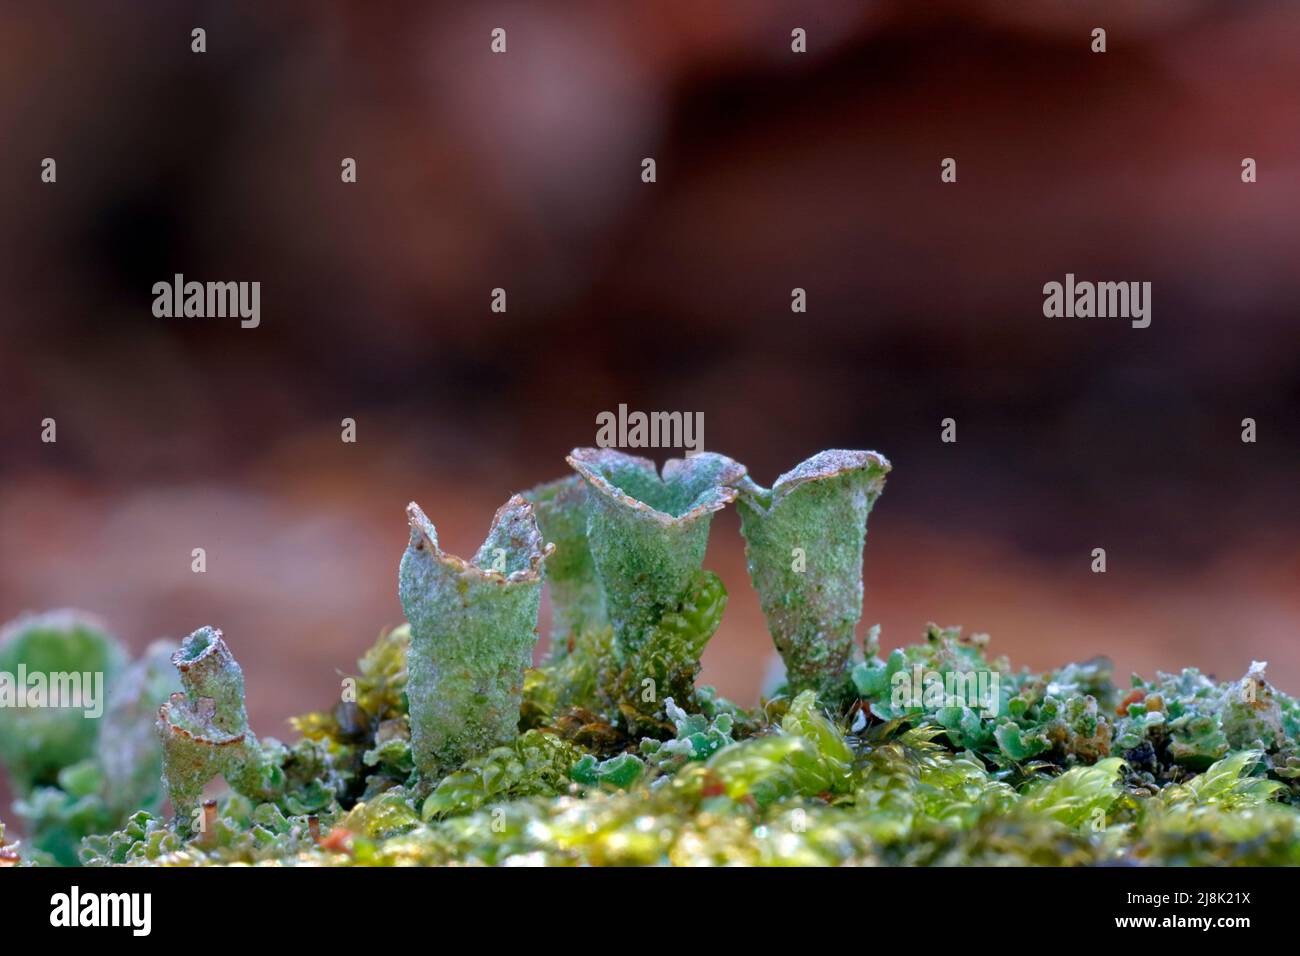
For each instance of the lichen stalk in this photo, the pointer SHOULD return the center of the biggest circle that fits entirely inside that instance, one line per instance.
(577, 602)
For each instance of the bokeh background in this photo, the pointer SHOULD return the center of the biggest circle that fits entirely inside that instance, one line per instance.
(775, 170)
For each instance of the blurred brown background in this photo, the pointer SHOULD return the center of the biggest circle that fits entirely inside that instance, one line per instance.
(774, 171)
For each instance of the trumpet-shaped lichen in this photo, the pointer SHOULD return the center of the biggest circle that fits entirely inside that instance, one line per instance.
(446, 748)
(648, 533)
(803, 542)
(204, 728)
(473, 627)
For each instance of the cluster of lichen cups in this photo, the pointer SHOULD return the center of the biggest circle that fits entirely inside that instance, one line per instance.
(447, 746)
(622, 547)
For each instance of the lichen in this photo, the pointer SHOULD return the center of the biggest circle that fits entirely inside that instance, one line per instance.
(36, 743)
(473, 627)
(74, 774)
(648, 533)
(446, 748)
(791, 783)
(204, 729)
(803, 542)
(577, 603)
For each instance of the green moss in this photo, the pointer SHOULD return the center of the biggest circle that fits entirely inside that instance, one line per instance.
(536, 763)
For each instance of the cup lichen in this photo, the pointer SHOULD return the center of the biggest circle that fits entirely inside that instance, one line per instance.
(446, 748)
(204, 729)
(473, 627)
(648, 533)
(38, 742)
(577, 603)
(803, 542)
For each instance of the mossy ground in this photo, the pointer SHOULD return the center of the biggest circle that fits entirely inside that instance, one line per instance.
(1071, 769)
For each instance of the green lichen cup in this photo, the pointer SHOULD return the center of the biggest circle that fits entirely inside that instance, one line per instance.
(648, 533)
(128, 753)
(473, 627)
(803, 543)
(577, 603)
(37, 742)
(204, 728)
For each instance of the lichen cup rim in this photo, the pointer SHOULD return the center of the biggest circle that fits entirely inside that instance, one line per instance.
(424, 533)
(831, 463)
(173, 728)
(184, 658)
(723, 491)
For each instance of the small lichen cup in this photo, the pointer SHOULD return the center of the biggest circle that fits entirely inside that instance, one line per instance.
(648, 533)
(37, 742)
(128, 752)
(473, 627)
(577, 603)
(204, 729)
(803, 543)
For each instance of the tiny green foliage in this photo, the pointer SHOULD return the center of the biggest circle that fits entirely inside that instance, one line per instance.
(1077, 795)
(447, 747)
(669, 658)
(536, 763)
(620, 772)
(697, 738)
(1227, 783)
(830, 769)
